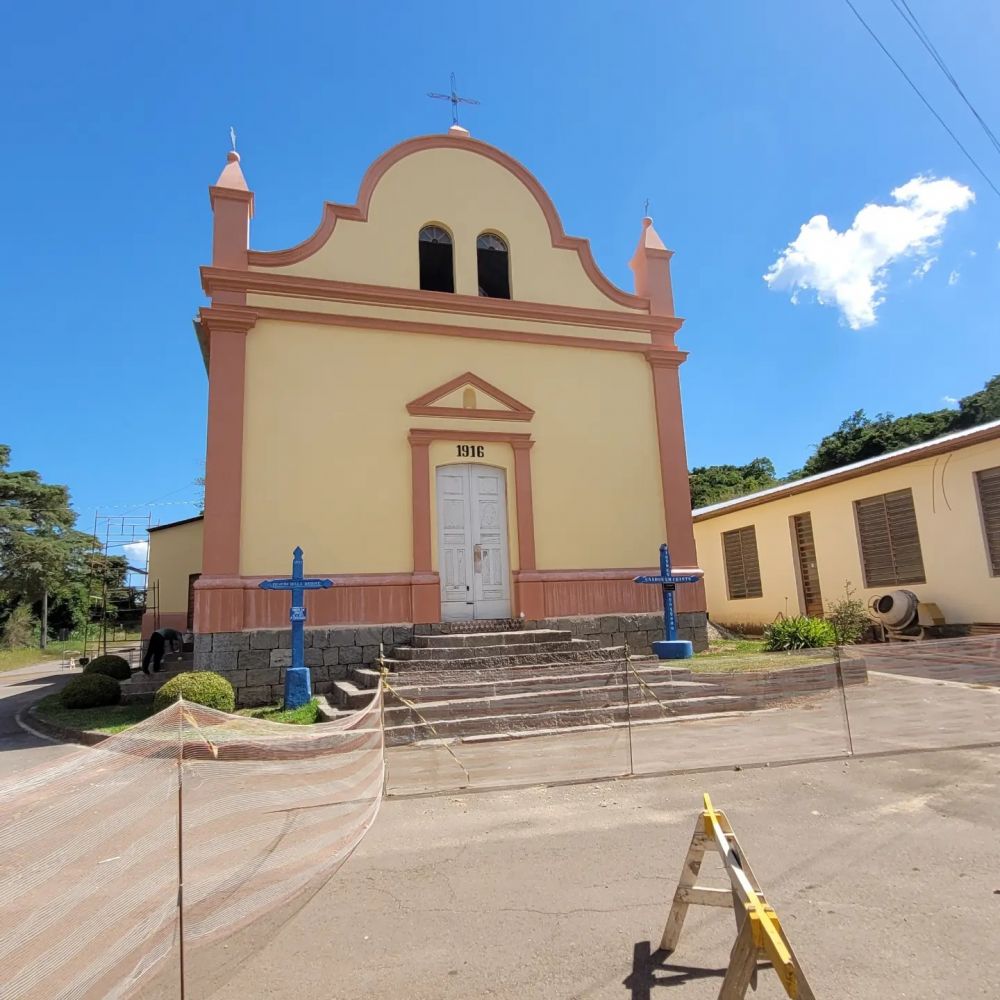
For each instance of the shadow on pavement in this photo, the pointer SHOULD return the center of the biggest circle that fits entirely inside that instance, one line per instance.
(647, 963)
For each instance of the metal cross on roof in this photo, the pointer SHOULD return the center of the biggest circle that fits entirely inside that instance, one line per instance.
(454, 99)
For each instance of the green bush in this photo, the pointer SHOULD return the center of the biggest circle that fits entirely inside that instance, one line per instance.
(19, 629)
(799, 633)
(110, 666)
(848, 616)
(200, 686)
(91, 691)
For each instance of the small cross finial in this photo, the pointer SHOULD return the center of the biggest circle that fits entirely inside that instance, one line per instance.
(232, 137)
(454, 99)
(645, 207)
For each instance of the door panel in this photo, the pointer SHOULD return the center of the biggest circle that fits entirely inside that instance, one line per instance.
(489, 528)
(805, 550)
(472, 538)
(455, 539)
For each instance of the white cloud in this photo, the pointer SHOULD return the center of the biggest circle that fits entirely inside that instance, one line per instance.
(135, 553)
(953, 278)
(950, 400)
(924, 266)
(849, 269)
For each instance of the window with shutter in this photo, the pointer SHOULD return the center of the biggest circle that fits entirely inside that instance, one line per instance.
(988, 485)
(890, 543)
(739, 550)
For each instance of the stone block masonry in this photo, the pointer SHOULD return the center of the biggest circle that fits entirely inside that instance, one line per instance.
(254, 661)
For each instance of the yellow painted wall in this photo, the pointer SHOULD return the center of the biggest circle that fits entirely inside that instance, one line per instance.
(467, 194)
(174, 553)
(326, 461)
(948, 521)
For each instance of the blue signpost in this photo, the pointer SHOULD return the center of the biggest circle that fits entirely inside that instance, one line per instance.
(298, 681)
(670, 647)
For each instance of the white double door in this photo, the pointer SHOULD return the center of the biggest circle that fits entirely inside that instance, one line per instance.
(472, 542)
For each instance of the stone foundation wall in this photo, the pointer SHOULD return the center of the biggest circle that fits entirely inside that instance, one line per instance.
(254, 661)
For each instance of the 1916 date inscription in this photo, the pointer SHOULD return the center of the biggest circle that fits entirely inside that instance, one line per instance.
(471, 451)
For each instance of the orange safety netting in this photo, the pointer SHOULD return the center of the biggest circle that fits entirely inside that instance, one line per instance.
(91, 845)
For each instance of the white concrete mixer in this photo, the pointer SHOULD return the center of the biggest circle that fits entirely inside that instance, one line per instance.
(902, 617)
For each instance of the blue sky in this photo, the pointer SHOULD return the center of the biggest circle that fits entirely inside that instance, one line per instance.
(740, 122)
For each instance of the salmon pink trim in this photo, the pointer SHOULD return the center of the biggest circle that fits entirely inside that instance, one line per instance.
(216, 280)
(234, 603)
(449, 330)
(227, 329)
(560, 593)
(664, 366)
(420, 441)
(424, 405)
(359, 212)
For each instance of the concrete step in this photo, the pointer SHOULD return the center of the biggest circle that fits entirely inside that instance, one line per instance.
(349, 696)
(509, 725)
(544, 699)
(422, 654)
(464, 640)
(416, 689)
(575, 654)
(648, 668)
(142, 688)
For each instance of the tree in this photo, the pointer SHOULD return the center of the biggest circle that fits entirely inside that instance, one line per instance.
(40, 552)
(860, 437)
(715, 483)
(981, 407)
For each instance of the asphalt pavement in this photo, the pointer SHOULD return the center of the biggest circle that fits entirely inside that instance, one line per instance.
(19, 689)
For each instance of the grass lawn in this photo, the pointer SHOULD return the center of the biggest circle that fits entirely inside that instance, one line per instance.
(12, 659)
(106, 719)
(728, 656)
(304, 716)
(26, 656)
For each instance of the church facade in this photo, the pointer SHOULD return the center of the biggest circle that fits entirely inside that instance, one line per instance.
(440, 398)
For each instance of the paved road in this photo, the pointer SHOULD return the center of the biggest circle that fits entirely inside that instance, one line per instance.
(885, 873)
(18, 689)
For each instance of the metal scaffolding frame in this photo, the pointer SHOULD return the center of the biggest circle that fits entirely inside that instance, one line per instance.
(112, 532)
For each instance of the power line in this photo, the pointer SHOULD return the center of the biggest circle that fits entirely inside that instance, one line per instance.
(904, 11)
(919, 94)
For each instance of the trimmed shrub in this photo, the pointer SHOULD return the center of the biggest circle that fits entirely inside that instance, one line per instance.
(799, 633)
(91, 691)
(110, 666)
(200, 686)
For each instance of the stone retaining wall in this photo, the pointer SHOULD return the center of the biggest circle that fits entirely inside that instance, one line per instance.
(254, 661)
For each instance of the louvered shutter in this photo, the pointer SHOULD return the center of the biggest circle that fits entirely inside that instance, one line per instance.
(890, 543)
(988, 484)
(739, 550)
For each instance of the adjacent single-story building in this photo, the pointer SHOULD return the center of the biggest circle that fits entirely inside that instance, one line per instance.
(925, 518)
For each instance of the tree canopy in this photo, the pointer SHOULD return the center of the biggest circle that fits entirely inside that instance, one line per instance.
(41, 552)
(715, 483)
(857, 438)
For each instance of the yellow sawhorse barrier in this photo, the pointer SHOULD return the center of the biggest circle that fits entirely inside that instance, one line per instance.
(759, 933)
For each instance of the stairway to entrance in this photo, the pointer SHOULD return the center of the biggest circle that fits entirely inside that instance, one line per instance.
(501, 685)
(142, 687)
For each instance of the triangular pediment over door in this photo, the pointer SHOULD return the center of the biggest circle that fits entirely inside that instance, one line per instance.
(468, 395)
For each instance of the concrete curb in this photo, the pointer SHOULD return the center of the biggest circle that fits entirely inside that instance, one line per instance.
(56, 734)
